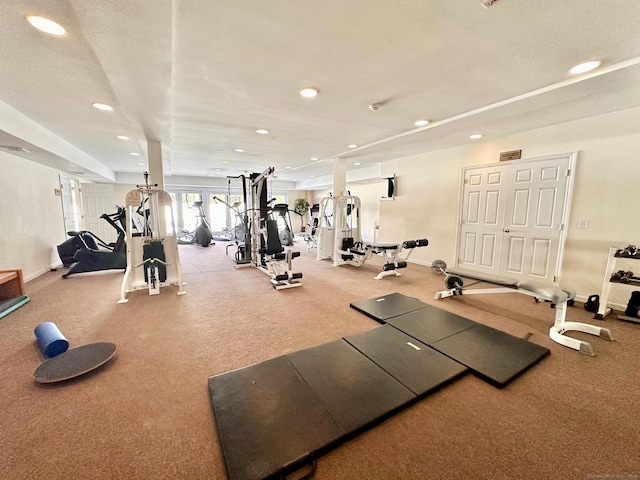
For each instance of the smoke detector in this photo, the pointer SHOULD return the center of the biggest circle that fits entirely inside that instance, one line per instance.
(374, 107)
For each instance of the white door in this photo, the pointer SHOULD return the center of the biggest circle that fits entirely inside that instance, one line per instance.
(71, 210)
(512, 217)
(480, 240)
(97, 198)
(533, 220)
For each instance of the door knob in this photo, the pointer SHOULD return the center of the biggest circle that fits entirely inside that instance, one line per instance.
(507, 230)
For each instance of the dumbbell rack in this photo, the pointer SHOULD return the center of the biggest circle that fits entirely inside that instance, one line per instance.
(610, 278)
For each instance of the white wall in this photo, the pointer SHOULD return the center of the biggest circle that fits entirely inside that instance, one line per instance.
(606, 193)
(120, 191)
(31, 221)
(426, 204)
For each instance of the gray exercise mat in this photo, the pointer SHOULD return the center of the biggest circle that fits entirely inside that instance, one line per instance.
(353, 389)
(268, 419)
(493, 355)
(388, 306)
(430, 325)
(419, 368)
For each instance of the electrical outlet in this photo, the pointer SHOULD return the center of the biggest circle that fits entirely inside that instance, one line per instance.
(583, 223)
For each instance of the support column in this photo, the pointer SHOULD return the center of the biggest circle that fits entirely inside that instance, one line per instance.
(156, 172)
(339, 176)
(156, 176)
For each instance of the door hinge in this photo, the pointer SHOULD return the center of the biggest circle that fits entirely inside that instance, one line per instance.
(555, 279)
(567, 173)
(465, 181)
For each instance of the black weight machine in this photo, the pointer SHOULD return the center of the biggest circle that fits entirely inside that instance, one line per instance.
(262, 247)
(242, 229)
(86, 252)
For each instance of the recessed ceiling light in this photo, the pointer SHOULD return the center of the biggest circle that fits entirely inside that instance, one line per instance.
(353, 145)
(309, 92)
(287, 168)
(357, 163)
(122, 137)
(46, 25)
(475, 136)
(584, 67)
(314, 159)
(239, 150)
(226, 162)
(312, 176)
(102, 106)
(262, 131)
(420, 123)
(134, 154)
(140, 164)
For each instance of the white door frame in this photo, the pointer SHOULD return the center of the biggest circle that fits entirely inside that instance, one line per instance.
(571, 156)
(71, 204)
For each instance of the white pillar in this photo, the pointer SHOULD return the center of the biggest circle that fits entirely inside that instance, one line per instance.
(339, 176)
(156, 172)
(156, 176)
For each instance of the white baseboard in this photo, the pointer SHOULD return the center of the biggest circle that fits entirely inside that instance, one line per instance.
(42, 272)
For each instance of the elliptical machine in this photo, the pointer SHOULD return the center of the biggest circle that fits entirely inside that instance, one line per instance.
(202, 234)
(86, 252)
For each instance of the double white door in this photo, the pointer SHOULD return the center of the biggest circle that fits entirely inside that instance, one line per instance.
(513, 217)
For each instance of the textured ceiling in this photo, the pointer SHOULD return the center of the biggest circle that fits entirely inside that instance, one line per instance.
(201, 76)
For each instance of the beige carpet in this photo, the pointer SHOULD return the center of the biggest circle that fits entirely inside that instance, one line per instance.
(147, 414)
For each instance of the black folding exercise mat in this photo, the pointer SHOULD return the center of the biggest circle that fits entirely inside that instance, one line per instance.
(430, 324)
(353, 389)
(268, 419)
(388, 306)
(419, 368)
(495, 356)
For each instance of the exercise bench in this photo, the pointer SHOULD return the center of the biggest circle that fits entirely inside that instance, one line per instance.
(360, 252)
(559, 297)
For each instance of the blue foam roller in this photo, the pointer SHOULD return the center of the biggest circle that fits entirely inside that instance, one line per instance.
(50, 339)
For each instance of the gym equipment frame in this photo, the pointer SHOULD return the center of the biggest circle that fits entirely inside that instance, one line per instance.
(343, 242)
(262, 248)
(156, 251)
(558, 296)
(630, 252)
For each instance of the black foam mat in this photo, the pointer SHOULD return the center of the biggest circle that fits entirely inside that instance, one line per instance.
(495, 356)
(268, 419)
(430, 325)
(419, 368)
(388, 306)
(353, 389)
